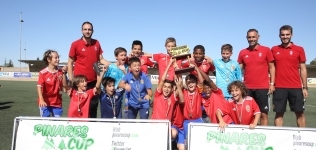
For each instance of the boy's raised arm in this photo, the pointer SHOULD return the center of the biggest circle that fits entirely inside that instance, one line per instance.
(164, 76)
(178, 81)
(99, 80)
(147, 54)
(208, 79)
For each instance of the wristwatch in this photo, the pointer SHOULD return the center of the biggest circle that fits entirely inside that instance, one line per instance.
(305, 87)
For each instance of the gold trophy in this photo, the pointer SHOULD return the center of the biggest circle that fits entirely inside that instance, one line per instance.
(181, 53)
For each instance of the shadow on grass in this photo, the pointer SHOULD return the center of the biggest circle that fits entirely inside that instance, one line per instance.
(5, 107)
(3, 103)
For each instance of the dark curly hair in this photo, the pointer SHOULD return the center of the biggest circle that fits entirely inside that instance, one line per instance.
(240, 85)
(48, 55)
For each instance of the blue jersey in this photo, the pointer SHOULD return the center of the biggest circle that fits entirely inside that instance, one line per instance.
(226, 72)
(138, 90)
(109, 102)
(116, 73)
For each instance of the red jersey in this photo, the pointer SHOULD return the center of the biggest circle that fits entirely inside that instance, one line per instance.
(204, 66)
(192, 105)
(51, 83)
(217, 102)
(145, 63)
(243, 113)
(177, 118)
(163, 60)
(287, 65)
(163, 107)
(80, 103)
(256, 66)
(85, 55)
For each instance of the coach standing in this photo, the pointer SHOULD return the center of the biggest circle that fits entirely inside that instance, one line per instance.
(257, 62)
(85, 52)
(290, 75)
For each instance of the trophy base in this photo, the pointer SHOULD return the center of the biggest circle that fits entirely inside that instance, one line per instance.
(183, 56)
(184, 70)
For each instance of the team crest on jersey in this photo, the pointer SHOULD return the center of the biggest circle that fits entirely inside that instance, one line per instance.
(142, 61)
(291, 52)
(248, 108)
(233, 67)
(116, 97)
(95, 48)
(260, 54)
(141, 81)
(131, 81)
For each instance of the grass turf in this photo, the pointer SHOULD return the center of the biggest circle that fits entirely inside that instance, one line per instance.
(18, 98)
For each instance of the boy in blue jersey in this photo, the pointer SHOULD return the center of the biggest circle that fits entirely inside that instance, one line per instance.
(110, 97)
(119, 69)
(227, 70)
(139, 87)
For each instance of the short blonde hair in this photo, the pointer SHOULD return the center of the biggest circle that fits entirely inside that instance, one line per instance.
(170, 39)
(227, 47)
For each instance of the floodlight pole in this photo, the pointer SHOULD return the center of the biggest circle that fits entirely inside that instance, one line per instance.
(20, 39)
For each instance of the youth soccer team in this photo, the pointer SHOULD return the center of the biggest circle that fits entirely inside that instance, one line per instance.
(280, 71)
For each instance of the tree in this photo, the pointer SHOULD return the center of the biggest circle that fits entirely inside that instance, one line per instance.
(313, 62)
(10, 64)
(62, 145)
(48, 144)
(37, 58)
(5, 62)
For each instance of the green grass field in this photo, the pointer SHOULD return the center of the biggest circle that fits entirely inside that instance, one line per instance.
(18, 98)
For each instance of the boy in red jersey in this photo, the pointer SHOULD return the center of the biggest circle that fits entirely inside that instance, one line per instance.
(192, 105)
(245, 110)
(80, 97)
(137, 50)
(49, 86)
(163, 59)
(205, 65)
(214, 103)
(166, 103)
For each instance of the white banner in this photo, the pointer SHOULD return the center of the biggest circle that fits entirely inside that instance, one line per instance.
(156, 77)
(75, 135)
(235, 137)
(7, 74)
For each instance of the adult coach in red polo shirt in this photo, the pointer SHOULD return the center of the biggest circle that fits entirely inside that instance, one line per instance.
(257, 62)
(290, 75)
(84, 52)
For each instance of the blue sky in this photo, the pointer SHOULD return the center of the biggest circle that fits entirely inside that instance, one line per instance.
(55, 24)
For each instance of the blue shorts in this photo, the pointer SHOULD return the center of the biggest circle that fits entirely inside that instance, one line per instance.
(186, 125)
(180, 136)
(49, 111)
(132, 113)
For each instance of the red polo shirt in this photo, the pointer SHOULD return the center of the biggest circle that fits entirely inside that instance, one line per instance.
(85, 55)
(256, 66)
(287, 64)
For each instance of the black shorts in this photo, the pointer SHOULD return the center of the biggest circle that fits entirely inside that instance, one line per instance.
(293, 95)
(261, 97)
